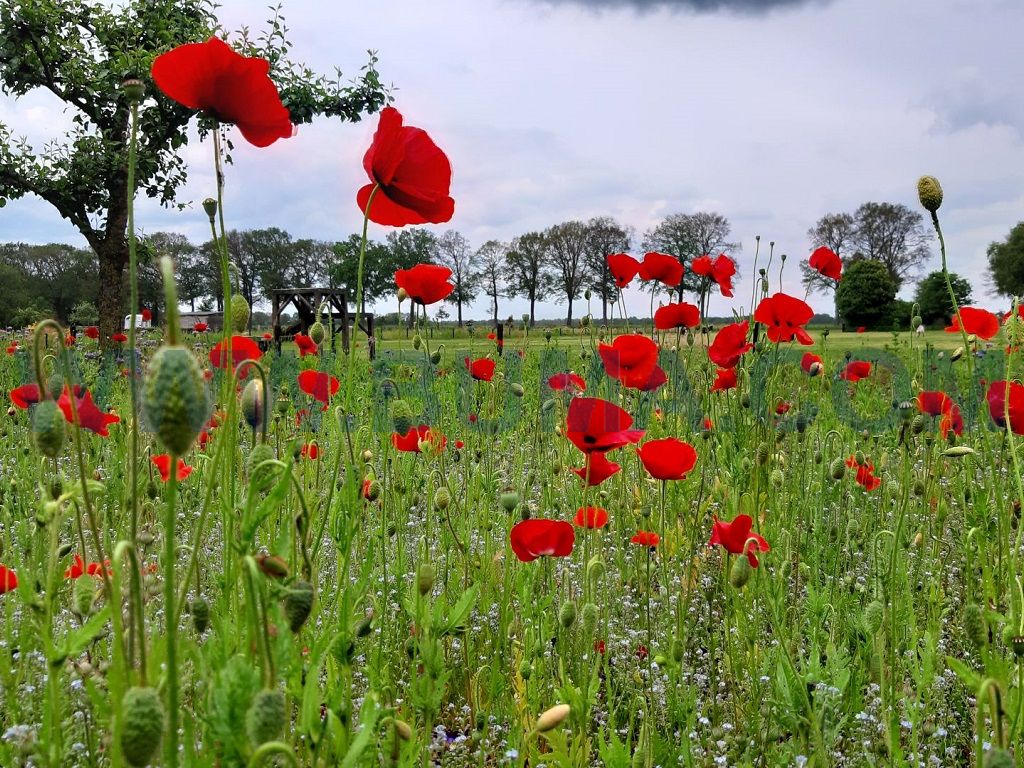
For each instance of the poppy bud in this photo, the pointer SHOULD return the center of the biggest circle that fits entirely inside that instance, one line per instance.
(435, 356)
(740, 572)
(253, 405)
(273, 566)
(590, 616)
(425, 578)
(801, 422)
(838, 469)
(402, 730)
(298, 604)
(133, 89)
(442, 498)
(776, 478)
(417, 341)
(595, 569)
(261, 477)
(585, 321)
(929, 192)
(200, 610)
(239, 313)
(509, 499)
(55, 385)
(958, 451)
(174, 398)
(401, 416)
(975, 627)
(84, 596)
(916, 321)
(525, 669)
(143, 725)
(553, 718)
(48, 429)
(317, 332)
(265, 719)
(957, 354)
(547, 335)
(364, 626)
(997, 757)
(745, 400)
(210, 206)
(763, 452)
(547, 405)
(567, 614)
(873, 615)
(517, 389)
(371, 490)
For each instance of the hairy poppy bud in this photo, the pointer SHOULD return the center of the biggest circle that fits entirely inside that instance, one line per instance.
(402, 295)
(873, 614)
(425, 578)
(401, 416)
(239, 313)
(364, 626)
(273, 566)
(200, 610)
(763, 452)
(402, 730)
(975, 626)
(567, 614)
(317, 332)
(776, 478)
(143, 725)
(590, 616)
(595, 569)
(253, 404)
(552, 718)
(525, 669)
(84, 596)
(517, 389)
(442, 498)
(435, 356)
(174, 398)
(838, 469)
(48, 429)
(210, 206)
(998, 757)
(509, 499)
(929, 192)
(261, 477)
(916, 321)
(55, 385)
(740, 572)
(585, 321)
(745, 400)
(371, 490)
(298, 604)
(417, 341)
(265, 719)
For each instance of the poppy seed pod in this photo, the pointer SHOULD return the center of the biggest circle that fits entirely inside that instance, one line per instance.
(929, 192)
(239, 313)
(143, 725)
(265, 719)
(48, 429)
(174, 398)
(200, 610)
(298, 604)
(210, 207)
(552, 718)
(509, 499)
(133, 89)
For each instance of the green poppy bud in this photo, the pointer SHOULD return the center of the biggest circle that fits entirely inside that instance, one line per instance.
(929, 192)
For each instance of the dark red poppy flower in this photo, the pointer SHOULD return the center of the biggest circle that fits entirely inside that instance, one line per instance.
(162, 463)
(599, 646)
(481, 369)
(811, 364)
(678, 315)
(597, 425)
(729, 345)
(597, 469)
(213, 78)
(311, 451)
(92, 331)
(856, 370)
(25, 395)
(147, 315)
(737, 538)
(119, 338)
(668, 458)
(203, 439)
(708, 424)
(567, 381)
(321, 386)
(425, 283)
(242, 348)
(590, 517)
(268, 336)
(657, 378)
(646, 539)
(410, 441)
(623, 268)
(89, 416)
(865, 473)
(996, 397)
(825, 262)
(979, 322)
(641, 650)
(12, 348)
(537, 537)
(630, 359)
(413, 175)
(79, 568)
(201, 327)
(721, 269)
(8, 580)
(662, 267)
(784, 316)
(782, 408)
(725, 379)
(306, 345)
(861, 328)
(934, 403)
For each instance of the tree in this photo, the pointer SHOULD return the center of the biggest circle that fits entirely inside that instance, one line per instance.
(453, 251)
(865, 294)
(834, 231)
(1006, 263)
(378, 271)
(81, 51)
(892, 234)
(604, 236)
(566, 246)
(527, 271)
(188, 265)
(491, 259)
(933, 300)
(688, 236)
(408, 247)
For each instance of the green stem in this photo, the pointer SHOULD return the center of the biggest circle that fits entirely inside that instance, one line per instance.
(171, 751)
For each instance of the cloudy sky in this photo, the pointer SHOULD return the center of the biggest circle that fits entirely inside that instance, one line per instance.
(771, 112)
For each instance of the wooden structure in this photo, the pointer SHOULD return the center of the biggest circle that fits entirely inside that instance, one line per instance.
(307, 303)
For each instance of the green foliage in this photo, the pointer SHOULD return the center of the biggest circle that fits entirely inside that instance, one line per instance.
(690, 236)
(933, 297)
(84, 313)
(1006, 263)
(865, 294)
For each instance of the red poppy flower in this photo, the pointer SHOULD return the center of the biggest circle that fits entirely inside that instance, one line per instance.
(979, 322)
(306, 345)
(213, 78)
(934, 403)
(92, 331)
(482, 369)
(119, 338)
(597, 469)
(662, 267)
(410, 441)
(811, 364)
(996, 397)
(79, 568)
(646, 539)
(623, 268)
(536, 537)
(825, 262)
(200, 327)
(8, 580)
(89, 416)
(242, 348)
(301, 415)
(708, 424)
(782, 408)
(147, 315)
(321, 386)
(203, 439)
(657, 378)
(25, 395)
(784, 317)
(630, 359)
(162, 463)
(599, 646)
(865, 473)
(668, 458)
(268, 336)
(737, 538)
(951, 421)
(12, 348)
(460, 444)
(425, 283)
(729, 345)
(590, 517)
(856, 370)
(721, 269)
(597, 425)
(413, 174)
(679, 315)
(311, 451)
(567, 381)
(861, 328)
(725, 379)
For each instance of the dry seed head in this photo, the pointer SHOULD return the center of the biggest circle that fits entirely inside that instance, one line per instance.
(552, 718)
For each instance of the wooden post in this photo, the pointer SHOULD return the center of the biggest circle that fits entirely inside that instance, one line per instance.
(501, 339)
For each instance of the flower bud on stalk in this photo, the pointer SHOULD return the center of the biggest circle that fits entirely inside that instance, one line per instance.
(929, 192)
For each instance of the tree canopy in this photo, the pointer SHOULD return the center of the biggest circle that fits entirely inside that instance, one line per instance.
(933, 300)
(1006, 263)
(865, 294)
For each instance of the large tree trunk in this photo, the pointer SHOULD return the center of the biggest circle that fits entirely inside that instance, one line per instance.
(533, 301)
(604, 308)
(568, 316)
(458, 303)
(113, 256)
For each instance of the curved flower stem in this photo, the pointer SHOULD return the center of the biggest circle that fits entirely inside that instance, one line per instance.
(171, 751)
(359, 303)
(273, 748)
